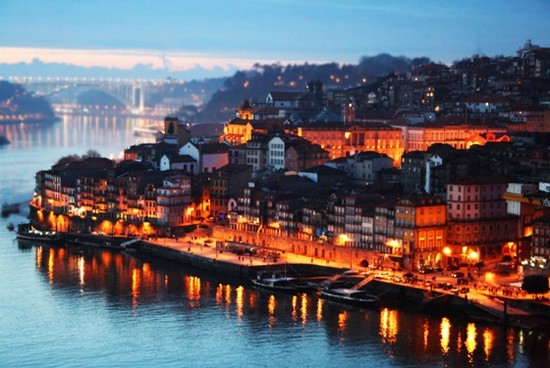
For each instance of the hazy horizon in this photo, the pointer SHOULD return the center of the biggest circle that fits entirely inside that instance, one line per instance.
(196, 40)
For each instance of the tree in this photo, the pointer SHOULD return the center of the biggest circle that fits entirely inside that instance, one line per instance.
(91, 153)
(535, 284)
(67, 160)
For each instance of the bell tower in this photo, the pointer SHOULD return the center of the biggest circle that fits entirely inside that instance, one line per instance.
(348, 111)
(245, 111)
(175, 131)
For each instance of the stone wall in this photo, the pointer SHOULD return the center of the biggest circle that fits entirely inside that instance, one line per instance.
(351, 257)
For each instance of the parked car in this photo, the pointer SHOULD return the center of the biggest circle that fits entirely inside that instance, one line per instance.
(445, 286)
(458, 274)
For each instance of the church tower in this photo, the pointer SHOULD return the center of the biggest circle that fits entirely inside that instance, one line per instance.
(245, 111)
(348, 111)
(175, 131)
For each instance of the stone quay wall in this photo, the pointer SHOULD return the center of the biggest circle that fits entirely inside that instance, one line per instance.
(352, 257)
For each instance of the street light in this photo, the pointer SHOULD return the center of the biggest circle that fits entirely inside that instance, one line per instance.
(447, 252)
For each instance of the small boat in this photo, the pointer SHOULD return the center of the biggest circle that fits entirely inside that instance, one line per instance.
(351, 296)
(10, 227)
(9, 209)
(27, 232)
(281, 283)
(147, 130)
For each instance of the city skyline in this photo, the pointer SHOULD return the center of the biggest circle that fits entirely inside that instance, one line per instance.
(211, 38)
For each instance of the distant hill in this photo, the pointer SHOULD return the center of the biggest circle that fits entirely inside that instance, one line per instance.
(39, 68)
(17, 105)
(256, 83)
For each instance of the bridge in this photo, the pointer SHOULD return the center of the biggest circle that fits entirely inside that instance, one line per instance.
(136, 95)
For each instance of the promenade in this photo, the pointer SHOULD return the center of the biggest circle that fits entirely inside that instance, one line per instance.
(486, 291)
(197, 247)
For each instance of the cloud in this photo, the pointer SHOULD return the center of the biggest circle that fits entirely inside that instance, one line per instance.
(128, 58)
(126, 62)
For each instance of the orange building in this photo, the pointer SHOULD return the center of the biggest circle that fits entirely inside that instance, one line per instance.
(460, 136)
(420, 223)
(342, 140)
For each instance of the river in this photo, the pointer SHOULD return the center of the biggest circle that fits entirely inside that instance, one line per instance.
(66, 307)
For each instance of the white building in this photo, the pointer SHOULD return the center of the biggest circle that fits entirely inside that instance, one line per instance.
(276, 153)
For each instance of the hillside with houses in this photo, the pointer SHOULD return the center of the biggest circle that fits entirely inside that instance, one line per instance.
(433, 167)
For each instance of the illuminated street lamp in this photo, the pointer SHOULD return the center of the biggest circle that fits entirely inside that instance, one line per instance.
(448, 253)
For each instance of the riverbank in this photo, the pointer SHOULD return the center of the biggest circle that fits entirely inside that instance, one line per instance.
(398, 290)
(521, 312)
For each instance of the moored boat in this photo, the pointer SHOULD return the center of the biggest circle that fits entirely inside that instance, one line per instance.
(27, 232)
(281, 283)
(351, 296)
(147, 130)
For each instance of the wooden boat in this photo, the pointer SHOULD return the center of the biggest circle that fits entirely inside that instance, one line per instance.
(27, 232)
(351, 296)
(281, 283)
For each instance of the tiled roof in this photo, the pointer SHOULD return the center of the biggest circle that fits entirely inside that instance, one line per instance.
(213, 148)
(285, 95)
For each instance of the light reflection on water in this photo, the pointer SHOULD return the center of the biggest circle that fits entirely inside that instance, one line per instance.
(35, 147)
(71, 307)
(144, 286)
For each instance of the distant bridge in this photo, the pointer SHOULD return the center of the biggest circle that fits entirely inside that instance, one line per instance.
(134, 94)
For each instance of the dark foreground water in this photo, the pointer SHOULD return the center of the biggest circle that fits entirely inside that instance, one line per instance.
(69, 307)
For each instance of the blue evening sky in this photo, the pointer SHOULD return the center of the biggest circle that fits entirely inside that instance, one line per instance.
(179, 34)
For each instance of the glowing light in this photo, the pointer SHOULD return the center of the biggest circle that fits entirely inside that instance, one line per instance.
(488, 343)
(445, 333)
(51, 262)
(271, 304)
(136, 282)
(239, 300)
(342, 321)
(303, 308)
(447, 251)
(319, 313)
(388, 325)
(470, 343)
(394, 243)
(294, 304)
(489, 277)
(81, 273)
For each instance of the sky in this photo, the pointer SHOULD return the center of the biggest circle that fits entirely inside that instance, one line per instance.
(214, 37)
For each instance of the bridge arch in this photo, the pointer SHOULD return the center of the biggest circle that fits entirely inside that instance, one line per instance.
(71, 93)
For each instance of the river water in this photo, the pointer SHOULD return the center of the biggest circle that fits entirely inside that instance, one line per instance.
(67, 307)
